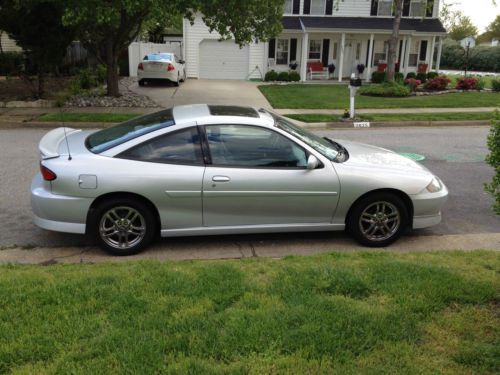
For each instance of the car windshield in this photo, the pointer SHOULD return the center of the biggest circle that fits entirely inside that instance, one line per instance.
(107, 138)
(325, 147)
(158, 57)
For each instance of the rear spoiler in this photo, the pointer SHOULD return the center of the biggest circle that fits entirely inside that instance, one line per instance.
(49, 144)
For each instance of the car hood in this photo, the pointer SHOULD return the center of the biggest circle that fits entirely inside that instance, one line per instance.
(367, 156)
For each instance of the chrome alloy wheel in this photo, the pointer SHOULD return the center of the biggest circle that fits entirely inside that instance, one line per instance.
(122, 227)
(379, 221)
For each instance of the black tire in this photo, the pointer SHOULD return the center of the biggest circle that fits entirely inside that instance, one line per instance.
(378, 220)
(137, 231)
(142, 82)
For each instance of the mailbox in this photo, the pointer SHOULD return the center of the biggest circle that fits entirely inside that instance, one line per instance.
(355, 82)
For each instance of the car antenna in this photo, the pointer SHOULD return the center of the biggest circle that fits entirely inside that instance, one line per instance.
(65, 135)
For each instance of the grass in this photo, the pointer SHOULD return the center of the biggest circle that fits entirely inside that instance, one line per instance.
(339, 313)
(383, 117)
(86, 117)
(308, 96)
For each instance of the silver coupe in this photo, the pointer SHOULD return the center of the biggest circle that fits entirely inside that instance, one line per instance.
(205, 169)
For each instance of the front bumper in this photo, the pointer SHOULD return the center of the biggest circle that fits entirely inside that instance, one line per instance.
(57, 212)
(427, 208)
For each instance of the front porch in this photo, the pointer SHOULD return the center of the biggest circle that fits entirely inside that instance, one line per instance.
(345, 51)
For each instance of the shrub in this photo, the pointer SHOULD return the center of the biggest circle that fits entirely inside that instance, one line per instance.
(10, 63)
(101, 73)
(378, 77)
(432, 75)
(422, 77)
(439, 83)
(399, 77)
(411, 75)
(467, 83)
(294, 76)
(387, 89)
(493, 158)
(271, 76)
(284, 76)
(413, 83)
(495, 85)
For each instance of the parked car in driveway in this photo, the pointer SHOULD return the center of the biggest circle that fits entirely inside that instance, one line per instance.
(203, 169)
(161, 66)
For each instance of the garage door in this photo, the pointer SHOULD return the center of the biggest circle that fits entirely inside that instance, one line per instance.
(223, 60)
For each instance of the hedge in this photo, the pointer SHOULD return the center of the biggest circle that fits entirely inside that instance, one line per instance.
(387, 89)
(481, 58)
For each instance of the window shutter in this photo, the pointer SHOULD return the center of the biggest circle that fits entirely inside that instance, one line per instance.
(430, 8)
(406, 8)
(293, 49)
(307, 6)
(374, 8)
(326, 52)
(329, 7)
(423, 50)
(400, 51)
(272, 48)
(296, 7)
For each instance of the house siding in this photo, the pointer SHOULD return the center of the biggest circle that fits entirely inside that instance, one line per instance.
(352, 8)
(8, 45)
(196, 33)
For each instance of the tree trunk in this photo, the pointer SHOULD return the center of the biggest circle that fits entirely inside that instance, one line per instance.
(112, 70)
(41, 83)
(393, 42)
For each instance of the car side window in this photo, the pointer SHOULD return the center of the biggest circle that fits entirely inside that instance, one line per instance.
(179, 147)
(252, 146)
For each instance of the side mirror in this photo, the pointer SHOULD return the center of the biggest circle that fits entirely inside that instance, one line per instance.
(182, 62)
(312, 162)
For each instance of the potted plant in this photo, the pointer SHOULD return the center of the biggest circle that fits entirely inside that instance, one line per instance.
(360, 68)
(331, 68)
(293, 65)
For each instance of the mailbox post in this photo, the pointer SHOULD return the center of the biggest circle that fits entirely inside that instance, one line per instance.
(354, 85)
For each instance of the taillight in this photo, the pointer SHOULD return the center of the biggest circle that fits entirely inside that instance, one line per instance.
(140, 67)
(170, 67)
(47, 174)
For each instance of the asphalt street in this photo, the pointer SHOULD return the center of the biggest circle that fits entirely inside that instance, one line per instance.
(456, 154)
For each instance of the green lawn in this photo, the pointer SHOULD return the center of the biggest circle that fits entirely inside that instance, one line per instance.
(381, 117)
(339, 313)
(86, 117)
(309, 96)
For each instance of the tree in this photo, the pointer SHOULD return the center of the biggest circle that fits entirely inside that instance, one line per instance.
(461, 27)
(494, 28)
(393, 41)
(36, 26)
(108, 28)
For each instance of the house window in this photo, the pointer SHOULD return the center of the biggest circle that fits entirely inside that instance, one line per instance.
(282, 46)
(318, 7)
(418, 8)
(288, 6)
(315, 50)
(384, 8)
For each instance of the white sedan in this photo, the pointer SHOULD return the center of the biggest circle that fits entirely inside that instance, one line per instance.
(161, 66)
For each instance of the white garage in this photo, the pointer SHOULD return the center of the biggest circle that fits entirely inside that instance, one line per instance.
(223, 60)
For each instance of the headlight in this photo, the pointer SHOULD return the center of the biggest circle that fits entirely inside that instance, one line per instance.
(434, 186)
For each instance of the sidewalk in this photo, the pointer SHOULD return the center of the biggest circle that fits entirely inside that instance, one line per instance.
(384, 111)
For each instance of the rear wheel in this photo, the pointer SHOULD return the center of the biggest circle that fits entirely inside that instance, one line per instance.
(378, 220)
(124, 226)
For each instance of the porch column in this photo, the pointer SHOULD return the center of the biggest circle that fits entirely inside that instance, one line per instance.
(440, 49)
(303, 59)
(407, 55)
(370, 60)
(341, 64)
(433, 46)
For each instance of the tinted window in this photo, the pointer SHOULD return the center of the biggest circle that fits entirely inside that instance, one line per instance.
(250, 146)
(107, 138)
(180, 147)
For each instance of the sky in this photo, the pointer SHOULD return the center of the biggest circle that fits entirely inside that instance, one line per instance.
(481, 12)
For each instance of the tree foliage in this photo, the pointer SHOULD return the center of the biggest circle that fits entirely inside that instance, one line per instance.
(107, 28)
(461, 27)
(36, 26)
(493, 159)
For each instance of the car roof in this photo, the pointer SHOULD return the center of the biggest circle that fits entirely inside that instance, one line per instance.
(221, 114)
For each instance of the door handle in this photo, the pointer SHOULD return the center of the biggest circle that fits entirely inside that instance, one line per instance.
(221, 179)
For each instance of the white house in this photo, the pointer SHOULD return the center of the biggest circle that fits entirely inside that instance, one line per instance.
(344, 33)
(7, 44)
(468, 41)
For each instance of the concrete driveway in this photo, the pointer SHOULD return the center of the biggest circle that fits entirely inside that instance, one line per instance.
(210, 91)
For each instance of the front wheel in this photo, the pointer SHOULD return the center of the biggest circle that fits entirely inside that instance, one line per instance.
(124, 226)
(378, 220)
